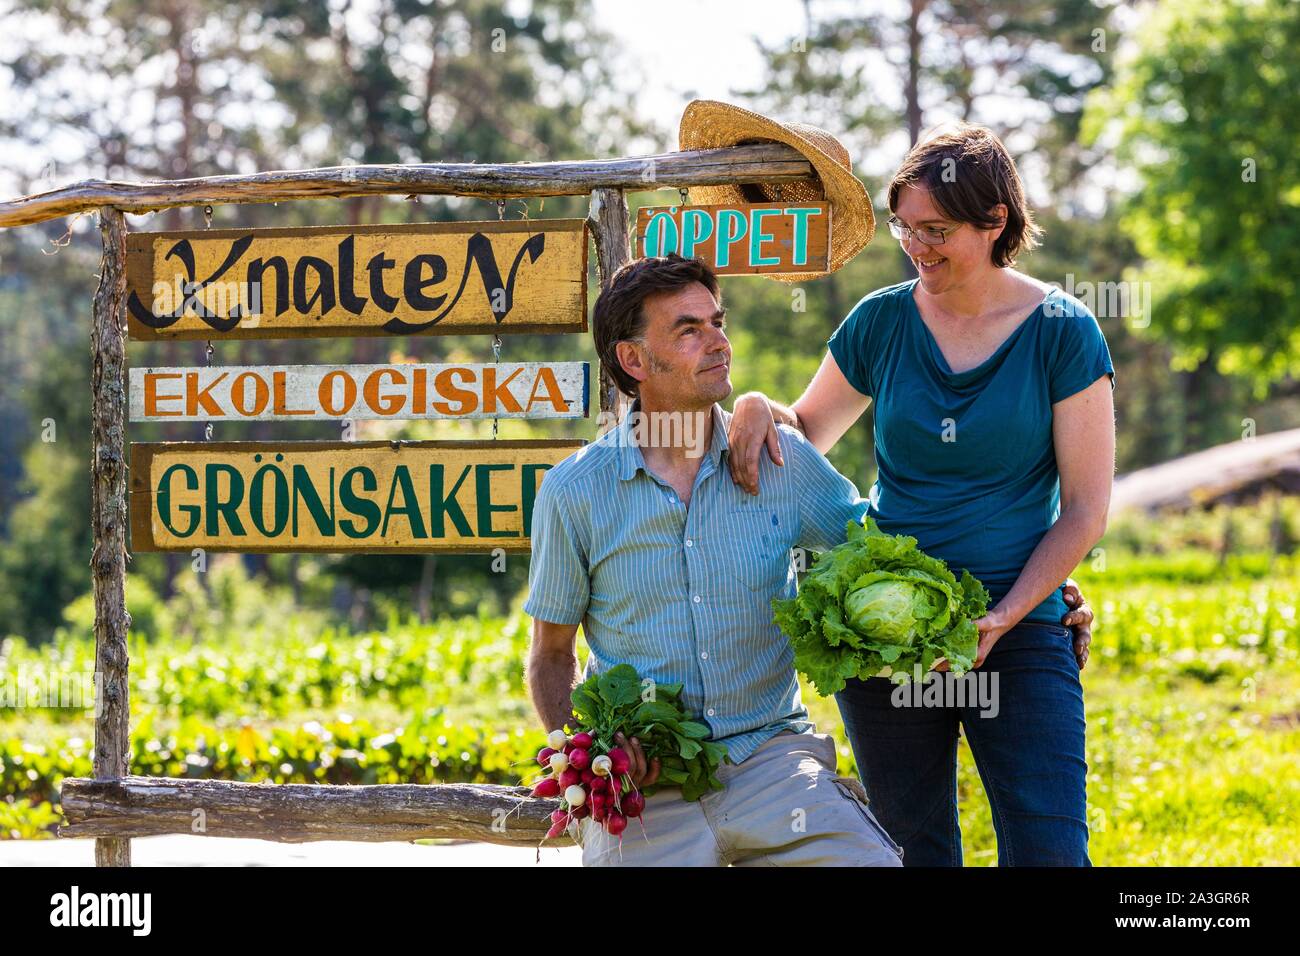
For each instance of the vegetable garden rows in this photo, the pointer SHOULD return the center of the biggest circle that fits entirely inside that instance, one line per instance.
(1188, 682)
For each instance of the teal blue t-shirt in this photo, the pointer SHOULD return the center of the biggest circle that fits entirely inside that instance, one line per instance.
(965, 460)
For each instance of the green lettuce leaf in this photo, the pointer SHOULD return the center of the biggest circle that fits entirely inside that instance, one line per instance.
(878, 601)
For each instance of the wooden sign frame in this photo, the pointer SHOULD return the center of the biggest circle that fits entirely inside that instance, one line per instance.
(113, 806)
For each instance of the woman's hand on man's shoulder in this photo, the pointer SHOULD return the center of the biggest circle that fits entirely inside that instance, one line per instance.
(752, 428)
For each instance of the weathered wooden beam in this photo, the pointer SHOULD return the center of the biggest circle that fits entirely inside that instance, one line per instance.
(300, 812)
(108, 518)
(610, 227)
(764, 162)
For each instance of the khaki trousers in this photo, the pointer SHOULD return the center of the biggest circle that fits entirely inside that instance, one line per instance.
(783, 806)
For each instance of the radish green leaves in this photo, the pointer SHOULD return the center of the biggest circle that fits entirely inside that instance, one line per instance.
(616, 701)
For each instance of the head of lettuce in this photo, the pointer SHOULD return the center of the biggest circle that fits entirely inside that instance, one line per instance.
(876, 602)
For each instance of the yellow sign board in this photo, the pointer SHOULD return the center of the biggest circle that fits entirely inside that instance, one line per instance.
(449, 278)
(437, 496)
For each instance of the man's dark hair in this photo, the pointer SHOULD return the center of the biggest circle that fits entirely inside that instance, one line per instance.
(618, 315)
(967, 172)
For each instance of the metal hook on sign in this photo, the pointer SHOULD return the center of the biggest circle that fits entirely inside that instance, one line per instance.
(207, 358)
(496, 358)
(207, 217)
(684, 196)
(501, 210)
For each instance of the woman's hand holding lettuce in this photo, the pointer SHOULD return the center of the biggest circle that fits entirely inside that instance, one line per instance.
(876, 602)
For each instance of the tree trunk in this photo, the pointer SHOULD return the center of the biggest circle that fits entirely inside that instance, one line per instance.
(912, 97)
(424, 592)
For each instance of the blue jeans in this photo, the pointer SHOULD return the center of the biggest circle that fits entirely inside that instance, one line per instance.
(1030, 756)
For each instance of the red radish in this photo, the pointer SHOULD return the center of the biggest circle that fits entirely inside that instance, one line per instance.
(568, 749)
(621, 762)
(555, 830)
(570, 778)
(599, 785)
(615, 823)
(582, 812)
(544, 756)
(548, 787)
(616, 785)
(578, 758)
(634, 804)
(583, 740)
(589, 778)
(559, 816)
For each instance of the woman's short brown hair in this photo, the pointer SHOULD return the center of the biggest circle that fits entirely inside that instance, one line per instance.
(618, 315)
(967, 172)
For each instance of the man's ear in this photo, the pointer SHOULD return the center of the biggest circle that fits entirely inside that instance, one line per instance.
(630, 358)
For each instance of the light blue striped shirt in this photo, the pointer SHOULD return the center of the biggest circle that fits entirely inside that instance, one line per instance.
(683, 594)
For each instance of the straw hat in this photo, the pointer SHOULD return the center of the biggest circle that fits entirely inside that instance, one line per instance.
(708, 124)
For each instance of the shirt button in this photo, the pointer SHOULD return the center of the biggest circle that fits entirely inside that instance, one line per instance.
(704, 655)
(711, 712)
(697, 599)
(690, 543)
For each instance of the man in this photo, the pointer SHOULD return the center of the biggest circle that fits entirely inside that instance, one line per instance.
(671, 567)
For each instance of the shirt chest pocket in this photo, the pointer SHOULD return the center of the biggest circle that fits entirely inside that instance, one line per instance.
(753, 548)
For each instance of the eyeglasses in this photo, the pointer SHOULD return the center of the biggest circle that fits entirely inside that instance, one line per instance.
(928, 235)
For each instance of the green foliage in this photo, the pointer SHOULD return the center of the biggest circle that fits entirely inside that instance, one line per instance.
(1191, 696)
(615, 701)
(876, 602)
(44, 561)
(467, 667)
(1205, 110)
(26, 820)
(1272, 523)
(346, 750)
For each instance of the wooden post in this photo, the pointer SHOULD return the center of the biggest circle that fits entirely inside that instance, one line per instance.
(610, 225)
(108, 519)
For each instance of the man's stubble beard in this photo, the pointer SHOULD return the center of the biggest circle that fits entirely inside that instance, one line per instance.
(700, 397)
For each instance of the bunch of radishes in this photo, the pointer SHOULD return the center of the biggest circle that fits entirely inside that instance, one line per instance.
(588, 783)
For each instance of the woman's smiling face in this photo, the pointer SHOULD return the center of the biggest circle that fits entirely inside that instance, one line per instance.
(966, 251)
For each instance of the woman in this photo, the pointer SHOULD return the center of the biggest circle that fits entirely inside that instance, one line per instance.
(994, 437)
